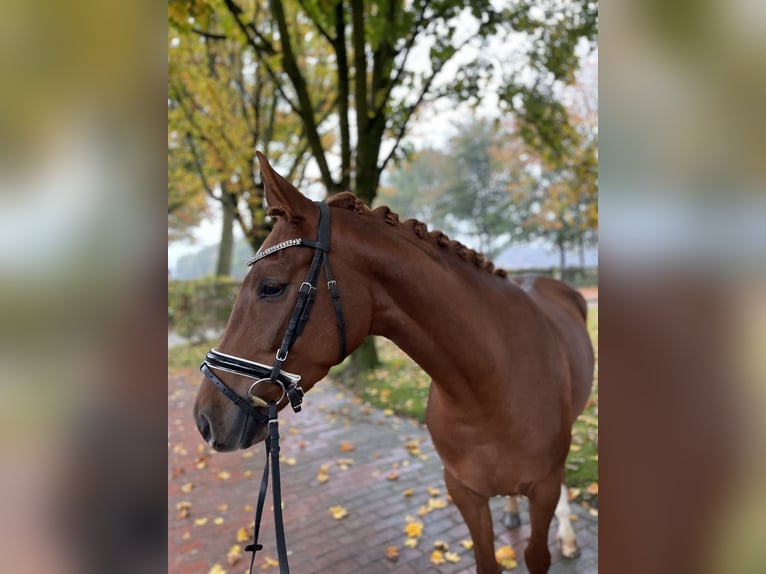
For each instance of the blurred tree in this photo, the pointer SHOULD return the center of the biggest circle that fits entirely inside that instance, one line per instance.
(480, 188)
(222, 106)
(566, 200)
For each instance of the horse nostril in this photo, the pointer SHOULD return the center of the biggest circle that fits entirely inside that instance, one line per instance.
(203, 425)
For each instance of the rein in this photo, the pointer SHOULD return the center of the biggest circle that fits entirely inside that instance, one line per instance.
(274, 374)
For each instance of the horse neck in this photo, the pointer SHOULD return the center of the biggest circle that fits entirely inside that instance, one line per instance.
(442, 311)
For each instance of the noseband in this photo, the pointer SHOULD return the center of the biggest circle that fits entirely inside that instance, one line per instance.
(289, 382)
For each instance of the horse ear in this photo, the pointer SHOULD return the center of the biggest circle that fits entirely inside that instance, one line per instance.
(282, 195)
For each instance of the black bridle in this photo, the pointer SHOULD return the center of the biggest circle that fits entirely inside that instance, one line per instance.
(289, 382)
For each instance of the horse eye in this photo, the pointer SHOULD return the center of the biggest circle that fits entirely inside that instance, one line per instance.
(270, 290)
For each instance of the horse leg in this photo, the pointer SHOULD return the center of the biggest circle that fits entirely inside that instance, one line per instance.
(511, 517)
(565, 536)
(543, 497)
(475, 511)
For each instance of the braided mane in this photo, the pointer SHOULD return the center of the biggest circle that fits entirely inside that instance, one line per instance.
(347, 200)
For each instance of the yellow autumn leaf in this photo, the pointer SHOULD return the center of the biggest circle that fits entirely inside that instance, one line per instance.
(573, 493)
(224, 475)
(506, 557)
(243, 535)
(437, 557)
(217, 569)
(186, 536)
(392, 553)
(452, 557)
(234, 554)
(411, 542)
(338, 512)
(414, 529)
(408, 492)
(346, 446)
(269, 563)
(200, 521)
(441, 545)
(393, 475)
(436, 504)
(433, 491)
(422, 511)
(467, 544)
(593, 488)
(218, 520)
(388, 412)
(187, 488)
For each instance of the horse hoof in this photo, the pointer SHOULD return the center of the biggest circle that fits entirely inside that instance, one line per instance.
(568, 548)
(511, 520)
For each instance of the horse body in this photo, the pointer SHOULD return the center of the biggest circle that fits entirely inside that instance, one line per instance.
(510, 360)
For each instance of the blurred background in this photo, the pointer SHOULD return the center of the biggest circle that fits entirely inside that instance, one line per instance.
(679, 223)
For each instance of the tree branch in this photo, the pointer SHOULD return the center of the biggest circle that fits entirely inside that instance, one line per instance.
(209, 35)
(299, 84)
(343, 96)
(411, 109)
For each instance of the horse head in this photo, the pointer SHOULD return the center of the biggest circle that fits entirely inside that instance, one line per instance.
(270, 309)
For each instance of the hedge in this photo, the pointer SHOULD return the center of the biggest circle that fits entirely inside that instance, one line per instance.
(197, 306)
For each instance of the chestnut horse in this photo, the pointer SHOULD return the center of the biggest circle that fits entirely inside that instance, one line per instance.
(510, 359)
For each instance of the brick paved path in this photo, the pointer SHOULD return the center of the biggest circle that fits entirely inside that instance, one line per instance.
(222, 488)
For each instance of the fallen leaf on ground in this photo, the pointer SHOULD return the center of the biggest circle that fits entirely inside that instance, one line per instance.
(200, 521)
(243, 535)
(392, 553)
(441, 545)
(393, 475)
(573, 493)
(411, 542)
(346, 446)
(218, 520)
(413, 447)
(224, 475)
(217, 569)
(338, 512)
(452, 557)
(183, 509)
(437, 557)
(408, 492)
(467, 544)
(234, 554)
(388, 412)
(593, 488)
(506, 557)
(414, 529)
(433, 491)
(187, 488)
(269, 563)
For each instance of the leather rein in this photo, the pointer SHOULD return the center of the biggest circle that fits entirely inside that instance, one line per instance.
(274, 374)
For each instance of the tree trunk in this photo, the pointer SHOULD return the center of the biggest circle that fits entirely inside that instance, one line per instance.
(226, 247)
(562, 259)
(365, 358)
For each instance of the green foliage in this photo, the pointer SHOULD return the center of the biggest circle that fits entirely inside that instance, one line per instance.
(187, 356)
(479, 188)
(202, 304)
